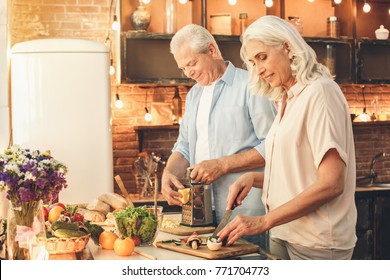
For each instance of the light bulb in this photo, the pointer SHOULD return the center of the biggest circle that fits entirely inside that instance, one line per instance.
(118, 102)
(183, 1)
(366, 8)
(311, 1)
(146, 1)
(112, 70)
(337, 1)
(148, 116)
(364, 117)
(232, 2)
(115, 26)
(269, 3)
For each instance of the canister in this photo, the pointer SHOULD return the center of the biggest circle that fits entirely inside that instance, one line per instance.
(333, 27)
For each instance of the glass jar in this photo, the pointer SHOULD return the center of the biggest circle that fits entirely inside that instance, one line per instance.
(333, 27)
(243, 22)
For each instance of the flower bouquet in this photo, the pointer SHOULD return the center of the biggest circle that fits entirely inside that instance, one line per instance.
(30, 178)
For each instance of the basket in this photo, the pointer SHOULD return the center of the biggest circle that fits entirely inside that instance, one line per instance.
(56, 245)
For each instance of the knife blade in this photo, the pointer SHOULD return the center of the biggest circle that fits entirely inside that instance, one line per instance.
(222, 223)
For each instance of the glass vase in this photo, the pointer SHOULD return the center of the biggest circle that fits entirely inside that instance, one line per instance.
(26, 232)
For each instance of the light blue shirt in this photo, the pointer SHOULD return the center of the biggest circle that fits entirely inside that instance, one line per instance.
(238, 121)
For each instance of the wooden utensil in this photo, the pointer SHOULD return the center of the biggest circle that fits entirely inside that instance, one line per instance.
(123, 190)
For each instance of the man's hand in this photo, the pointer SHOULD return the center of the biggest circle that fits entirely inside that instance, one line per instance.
(168, 183)
(207, 171)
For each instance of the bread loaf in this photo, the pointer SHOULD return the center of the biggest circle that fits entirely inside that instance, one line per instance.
(115, 200)
(94, 216)
(98, 205)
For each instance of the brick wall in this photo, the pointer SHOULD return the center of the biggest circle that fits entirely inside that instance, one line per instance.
(89, 19)
(370, 138)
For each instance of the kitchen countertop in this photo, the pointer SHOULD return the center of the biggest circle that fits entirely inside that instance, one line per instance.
(151, 252)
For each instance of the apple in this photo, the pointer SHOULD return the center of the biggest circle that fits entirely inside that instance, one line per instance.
(45, 213)
(61, 205)
(57, 204)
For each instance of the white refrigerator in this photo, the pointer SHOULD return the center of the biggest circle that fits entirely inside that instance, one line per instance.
(60, 92)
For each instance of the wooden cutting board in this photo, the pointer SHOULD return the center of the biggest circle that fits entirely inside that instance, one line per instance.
(237, 249)
(186, 230)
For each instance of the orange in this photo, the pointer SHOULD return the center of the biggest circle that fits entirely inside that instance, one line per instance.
(107, 239)
(55, 213)
(124, 247)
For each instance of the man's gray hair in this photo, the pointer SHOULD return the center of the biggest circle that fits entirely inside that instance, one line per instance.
(197, 37)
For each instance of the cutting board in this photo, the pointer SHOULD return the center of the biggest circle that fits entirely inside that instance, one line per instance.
(237, 249)
(186, 230)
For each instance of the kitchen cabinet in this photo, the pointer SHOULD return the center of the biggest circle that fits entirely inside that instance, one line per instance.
(373, 225)
(337, 54)
(146, 57)
(373, 61)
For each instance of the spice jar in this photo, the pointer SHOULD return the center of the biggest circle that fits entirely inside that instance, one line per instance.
(243, 22)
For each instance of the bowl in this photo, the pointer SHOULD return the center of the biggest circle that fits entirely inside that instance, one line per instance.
(139, 223)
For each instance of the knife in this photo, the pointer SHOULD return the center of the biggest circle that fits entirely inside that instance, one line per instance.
(222, 223)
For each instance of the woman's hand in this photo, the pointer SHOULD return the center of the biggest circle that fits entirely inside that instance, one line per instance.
(242, 226)
(239, 190)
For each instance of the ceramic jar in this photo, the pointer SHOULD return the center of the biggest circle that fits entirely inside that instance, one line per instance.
(140, 18)
(382, 33)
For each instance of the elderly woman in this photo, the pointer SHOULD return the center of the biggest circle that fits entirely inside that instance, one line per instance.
(309, 178)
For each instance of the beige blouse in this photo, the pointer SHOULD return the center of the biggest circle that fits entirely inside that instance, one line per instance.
(315, 120)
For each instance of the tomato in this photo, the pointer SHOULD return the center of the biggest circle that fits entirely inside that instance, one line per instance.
(124, 247)
(77, 217)
(107, 239)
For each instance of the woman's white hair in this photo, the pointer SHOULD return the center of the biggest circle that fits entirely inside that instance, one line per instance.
(198, 38)
(274, 31)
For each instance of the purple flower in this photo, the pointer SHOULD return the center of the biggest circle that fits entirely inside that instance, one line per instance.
(31, 175)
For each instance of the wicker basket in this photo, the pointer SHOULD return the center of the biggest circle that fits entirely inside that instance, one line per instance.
(66, 245)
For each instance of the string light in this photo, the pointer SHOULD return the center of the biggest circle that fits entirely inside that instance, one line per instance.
(232, 2)
(311, 1)
(366, 7)
(269, 3)
(118, 101)
(183, 1)
(146, 1)
(337, 2)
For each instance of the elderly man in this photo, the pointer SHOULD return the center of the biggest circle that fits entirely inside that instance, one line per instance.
(224, 126)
